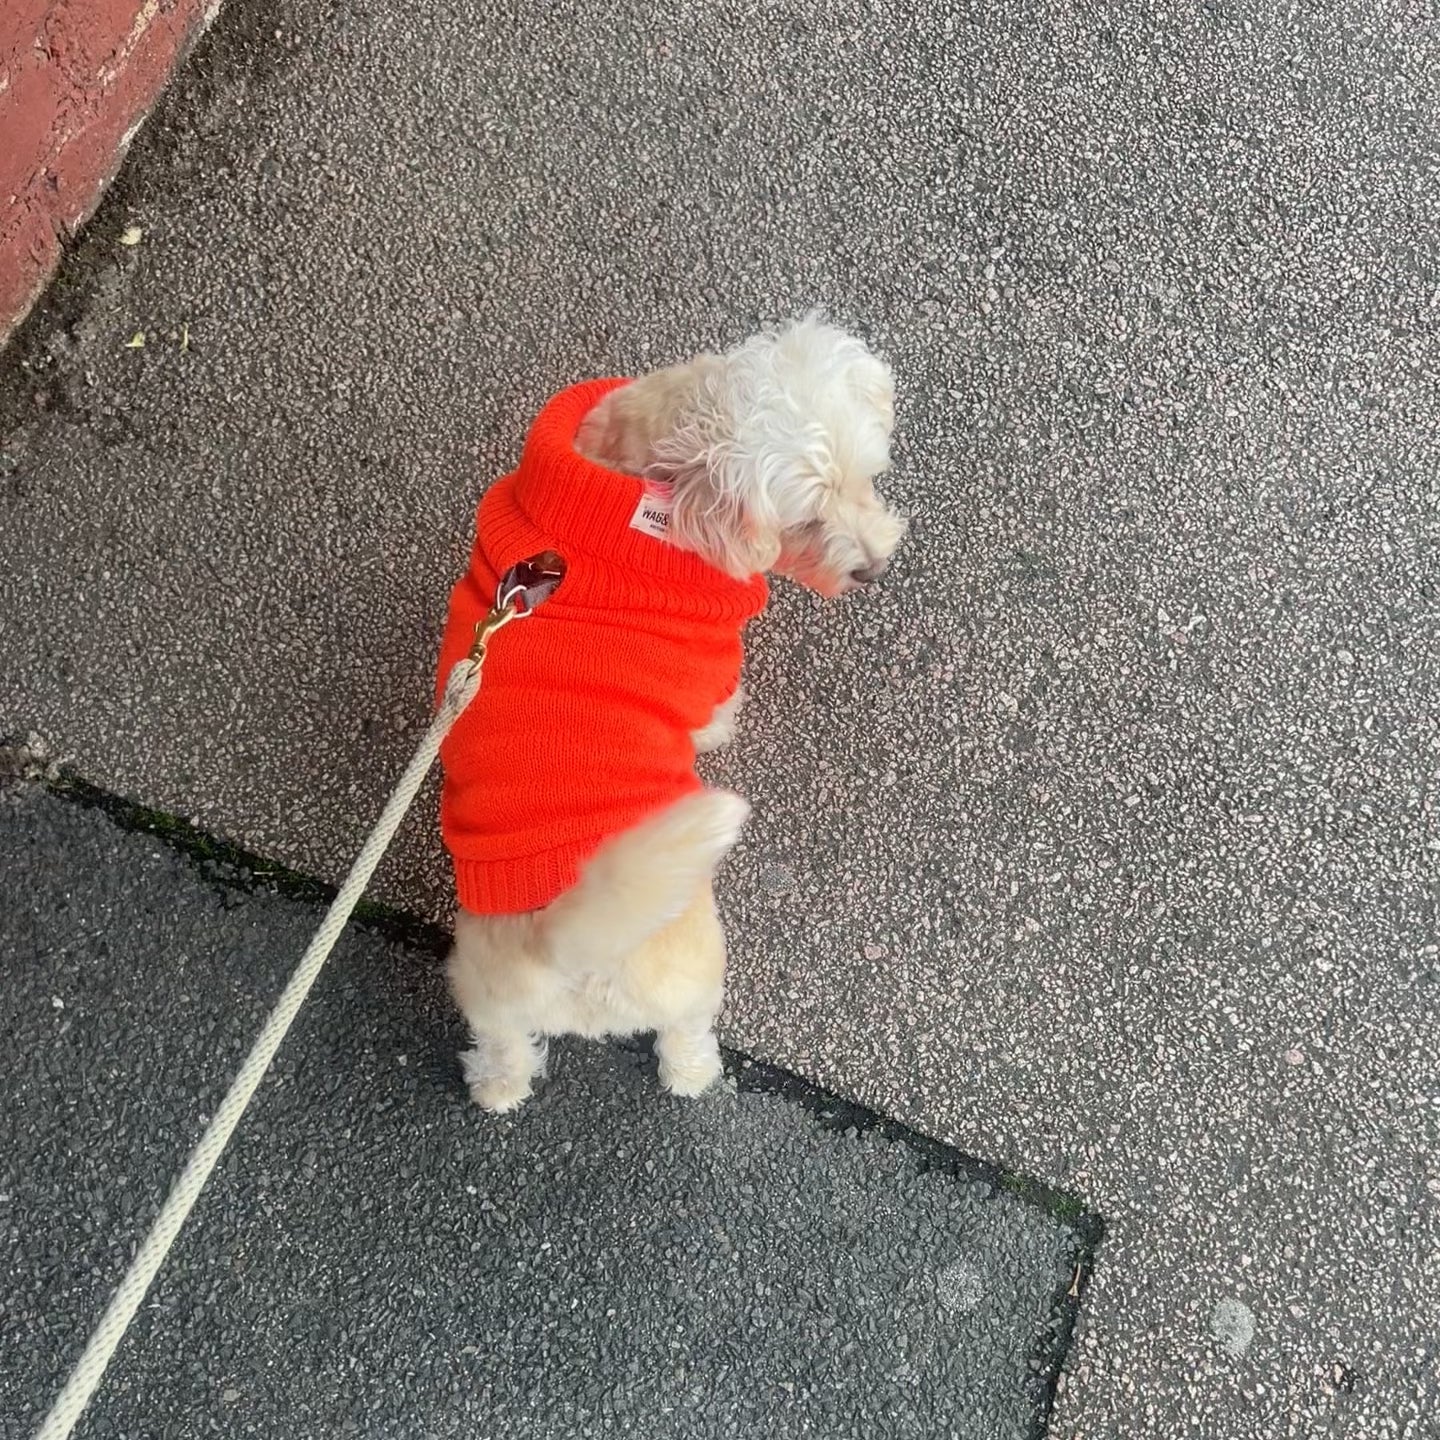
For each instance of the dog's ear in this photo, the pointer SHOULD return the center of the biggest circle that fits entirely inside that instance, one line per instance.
(718, 510)
(715, 457)
(873, 384)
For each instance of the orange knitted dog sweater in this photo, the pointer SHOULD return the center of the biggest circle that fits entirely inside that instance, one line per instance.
(582, 725)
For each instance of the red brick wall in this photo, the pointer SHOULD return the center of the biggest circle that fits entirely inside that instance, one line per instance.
(76, 79)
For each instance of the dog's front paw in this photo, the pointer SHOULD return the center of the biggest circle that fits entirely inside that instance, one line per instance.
(689, 1063)
(721, 729)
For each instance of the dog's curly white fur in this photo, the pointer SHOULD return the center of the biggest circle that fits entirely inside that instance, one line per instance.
(772, 450)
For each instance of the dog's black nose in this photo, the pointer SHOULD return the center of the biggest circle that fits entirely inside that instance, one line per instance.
(867, 573)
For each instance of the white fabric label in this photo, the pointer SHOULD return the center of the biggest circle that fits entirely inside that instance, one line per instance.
(652, 514)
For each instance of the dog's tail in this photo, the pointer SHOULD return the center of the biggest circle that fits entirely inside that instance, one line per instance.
(640, 881)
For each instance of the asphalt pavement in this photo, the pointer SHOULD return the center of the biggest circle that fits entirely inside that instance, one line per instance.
(1102, 839)
(377, 1257)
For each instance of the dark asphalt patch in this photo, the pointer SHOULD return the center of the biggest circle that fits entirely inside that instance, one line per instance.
(375, 1257)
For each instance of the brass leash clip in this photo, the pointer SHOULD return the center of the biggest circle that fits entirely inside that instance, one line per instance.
(522, 590)
(494, 621)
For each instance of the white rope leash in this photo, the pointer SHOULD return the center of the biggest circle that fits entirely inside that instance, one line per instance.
(460, 689)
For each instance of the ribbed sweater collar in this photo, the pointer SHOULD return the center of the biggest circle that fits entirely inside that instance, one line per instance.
(587, 510)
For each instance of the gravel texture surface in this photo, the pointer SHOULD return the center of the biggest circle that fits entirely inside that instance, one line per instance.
(375, 1257)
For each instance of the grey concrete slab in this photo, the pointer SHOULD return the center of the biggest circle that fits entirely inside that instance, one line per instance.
(1102, 839)
(376, 1257)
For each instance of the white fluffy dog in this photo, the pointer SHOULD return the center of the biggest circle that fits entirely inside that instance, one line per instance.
(768, 454)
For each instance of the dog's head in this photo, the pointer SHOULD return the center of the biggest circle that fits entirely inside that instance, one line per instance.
(774, 458)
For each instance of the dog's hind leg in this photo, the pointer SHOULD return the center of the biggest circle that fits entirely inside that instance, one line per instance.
(679, 978)
(501, 1068)
(502, 992)
(689, 1058)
